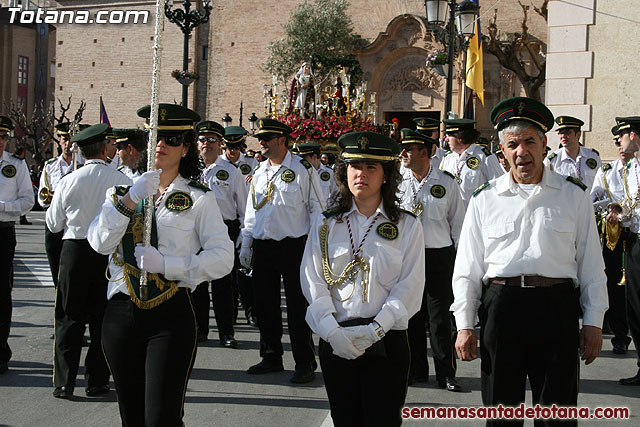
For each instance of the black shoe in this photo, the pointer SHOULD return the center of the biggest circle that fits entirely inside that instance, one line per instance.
(202, 336)
(620, 349)
(251, 320)
(450, 384)
(63, 392)
(635, 380)
(302, 376)
(4, 367)
(24, 221)
(228, 341)
(97, 390)
(418, 379)
(266, 366)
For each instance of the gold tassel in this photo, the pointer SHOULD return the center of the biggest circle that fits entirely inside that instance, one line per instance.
(613, 232)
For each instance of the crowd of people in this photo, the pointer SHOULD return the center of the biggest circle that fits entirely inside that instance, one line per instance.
(379, 248)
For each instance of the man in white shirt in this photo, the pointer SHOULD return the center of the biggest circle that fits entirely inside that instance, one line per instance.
(130, 145)
(16, 196)
(528, 242)
(572, 159)
(82, 289)
(280, 207)
(434, 197)
(431, 127)
(234, 141)
(310, 151)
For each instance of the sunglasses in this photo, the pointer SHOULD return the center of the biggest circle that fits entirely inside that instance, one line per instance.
(208, 139)
(617, 142)
(121, 145)
(172, 141)
(266, 137)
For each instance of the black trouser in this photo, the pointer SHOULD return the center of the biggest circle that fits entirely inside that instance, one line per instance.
(7, 252)
(436, 300)
(632, 271)
(53, 247)
(80, 298)
(367, 391)
(272, 260)
(529, 332)
(616, 315)
(150, 353)
(222, 295)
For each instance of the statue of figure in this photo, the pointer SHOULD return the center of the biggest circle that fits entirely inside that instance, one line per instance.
(301, 96)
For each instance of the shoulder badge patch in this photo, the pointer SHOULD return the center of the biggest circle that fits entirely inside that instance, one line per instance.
(552, 156)
(388, 230)
(9, 171)
(288, 175)
(606, 167)
(222, 175)
(179, 201)
(330, 212)
(121, 190)
(246, 169)
(438, 191)
(473, 162)
(592, 163)
(449, 173)
(325, 176)
(479, 189)
(577, 182)
(199, 186)
(305, 163)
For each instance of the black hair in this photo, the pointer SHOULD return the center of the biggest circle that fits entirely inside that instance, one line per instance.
(468, 136)
(93, 150)
(342, 199)
(190, 164)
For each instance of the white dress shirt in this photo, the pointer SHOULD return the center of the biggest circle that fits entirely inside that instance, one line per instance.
(181, 236)
(633, 185)
(443, 209)
(78, 198)
(436, 159)
(552, 234)
(396, 278)
(228, 185)
(327, 183)
(582, 167)
(470, 178)
(250, 163)
(16, 192)
(52, 172)
(292, 205)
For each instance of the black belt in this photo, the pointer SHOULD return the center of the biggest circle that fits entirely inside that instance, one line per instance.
(121, 297)
(356, 322)
(529, 281)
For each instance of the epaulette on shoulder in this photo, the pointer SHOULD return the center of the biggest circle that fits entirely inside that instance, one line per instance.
(606, 167)
(121, 190)
(15, 156)
(577, 182)
(120, 168)
(479, 189)
(595, 151)
(409, 213)
(446, 153)
(486, 151)
(552, 156)
(51, 160)
(306, 163)
(256, 168)
(449, 173)
(331, 212)
(199, 186)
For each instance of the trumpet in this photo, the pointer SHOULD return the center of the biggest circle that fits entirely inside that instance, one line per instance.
(45, 195)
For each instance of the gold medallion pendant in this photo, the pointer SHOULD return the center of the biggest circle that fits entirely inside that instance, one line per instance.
(417, 209)
(267, 196)
(178, 202)
(9, 171)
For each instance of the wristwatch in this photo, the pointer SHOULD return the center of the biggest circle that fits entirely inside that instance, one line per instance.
(378, 329)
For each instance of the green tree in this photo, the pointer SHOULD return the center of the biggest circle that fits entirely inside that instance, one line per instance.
(319, 32)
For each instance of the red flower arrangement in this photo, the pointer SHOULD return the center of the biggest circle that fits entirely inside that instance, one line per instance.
(325, 128)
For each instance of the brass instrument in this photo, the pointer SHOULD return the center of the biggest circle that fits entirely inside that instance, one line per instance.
(45, 194)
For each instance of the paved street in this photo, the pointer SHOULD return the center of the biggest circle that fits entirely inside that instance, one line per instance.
(220, 393)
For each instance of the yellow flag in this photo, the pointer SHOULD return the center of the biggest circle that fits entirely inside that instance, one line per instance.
(475, 65)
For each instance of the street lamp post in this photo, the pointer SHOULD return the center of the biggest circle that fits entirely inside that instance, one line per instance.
(464, 14)
(186, 19)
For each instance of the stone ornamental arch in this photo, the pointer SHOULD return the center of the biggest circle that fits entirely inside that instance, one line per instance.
(394, 66)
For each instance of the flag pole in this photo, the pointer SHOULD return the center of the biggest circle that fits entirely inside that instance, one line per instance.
(153, 134)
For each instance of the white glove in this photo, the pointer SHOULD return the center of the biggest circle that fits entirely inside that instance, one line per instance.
(363, 336)
(149, 259)
(246, 253)
(146, 185)
(2, 208)
(342, 345)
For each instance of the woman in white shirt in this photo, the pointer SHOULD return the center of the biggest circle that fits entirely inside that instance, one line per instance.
(149, 333)
(363, 276)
